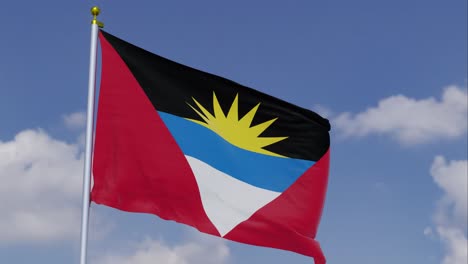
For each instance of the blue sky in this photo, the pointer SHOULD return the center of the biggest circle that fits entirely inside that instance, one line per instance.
(390, 75)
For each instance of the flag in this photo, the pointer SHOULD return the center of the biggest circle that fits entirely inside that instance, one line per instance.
(207, 152)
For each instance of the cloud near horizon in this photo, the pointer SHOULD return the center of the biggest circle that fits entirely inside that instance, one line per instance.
(411, 121)
(41, 188)
(194, 251)
(76, 120)
(450, 216)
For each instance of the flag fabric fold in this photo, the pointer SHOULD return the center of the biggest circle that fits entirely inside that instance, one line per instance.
(204, 151)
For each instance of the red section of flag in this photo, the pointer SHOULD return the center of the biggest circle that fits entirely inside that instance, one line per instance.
(138, 166)
(292, 218)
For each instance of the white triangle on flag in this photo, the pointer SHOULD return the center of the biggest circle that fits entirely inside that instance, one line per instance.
(227, 201)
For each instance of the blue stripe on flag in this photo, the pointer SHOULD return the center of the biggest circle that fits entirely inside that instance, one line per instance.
(263, 171)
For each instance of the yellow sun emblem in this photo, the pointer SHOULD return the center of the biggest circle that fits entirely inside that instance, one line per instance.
(234, 130)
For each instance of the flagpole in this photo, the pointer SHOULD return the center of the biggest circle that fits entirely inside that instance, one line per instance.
(95, 24)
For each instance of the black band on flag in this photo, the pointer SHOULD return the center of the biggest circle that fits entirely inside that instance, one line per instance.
(176, 89)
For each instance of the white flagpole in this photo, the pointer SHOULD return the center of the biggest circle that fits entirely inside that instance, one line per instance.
(95, 24)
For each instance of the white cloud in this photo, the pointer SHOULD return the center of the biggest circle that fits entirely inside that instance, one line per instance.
(204, 251)
(409, 120)
(428, 232)
(452, 178)
(451, 212)
(323, 111)
(456, 245)
(40, 188)
(75, 120)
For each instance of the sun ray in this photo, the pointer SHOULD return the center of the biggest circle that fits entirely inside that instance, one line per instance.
(203, 109)
(260, 128)
(246, 120)
(233, 114)
(200, 114)
(218, 112)
(235, 131)
(266, 141)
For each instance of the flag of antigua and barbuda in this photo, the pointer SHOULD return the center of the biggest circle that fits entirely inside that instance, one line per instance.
(205, 151)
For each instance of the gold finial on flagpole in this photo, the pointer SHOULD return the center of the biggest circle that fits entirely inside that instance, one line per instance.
(95, 12)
